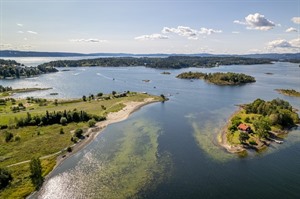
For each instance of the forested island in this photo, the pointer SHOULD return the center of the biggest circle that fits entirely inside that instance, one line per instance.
(289, 92)
(10, 69)
(173, 62)
(257, 124)
(35, 132)
(218, 78)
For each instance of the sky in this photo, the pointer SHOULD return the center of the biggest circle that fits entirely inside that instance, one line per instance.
(151, 26)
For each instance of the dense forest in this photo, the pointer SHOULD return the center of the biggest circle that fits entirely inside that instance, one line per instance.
(174, 62)
(10, 69)
(219, 78)
(278, 112)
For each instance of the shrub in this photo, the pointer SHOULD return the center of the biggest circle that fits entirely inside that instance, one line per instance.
(61, 131)
(69, 149)
(5, 178)
(91, 123)
(78, 133)
(8, 136)
(17, 138)
(63, 121)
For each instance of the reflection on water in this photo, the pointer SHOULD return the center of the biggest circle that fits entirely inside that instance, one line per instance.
(133, 165)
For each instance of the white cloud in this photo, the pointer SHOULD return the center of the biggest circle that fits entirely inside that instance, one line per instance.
(32, 32)
(284, 44)
(151, 37)
(235, 32)
(209, 31)
(5, 46)
(296, 20)
(256, 21)
(295, 42)
(88, 40)
(291, 29)
(188, 32)
(181, 30)
(21, 32)
(19, 24)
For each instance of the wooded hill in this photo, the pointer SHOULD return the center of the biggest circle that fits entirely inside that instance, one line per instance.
(10, 69)
(174, 62)
(219, 78)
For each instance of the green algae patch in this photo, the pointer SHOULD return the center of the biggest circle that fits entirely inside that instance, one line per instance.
(127, 164)
(206, 140)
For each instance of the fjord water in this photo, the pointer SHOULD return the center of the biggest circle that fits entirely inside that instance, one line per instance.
(170, 150)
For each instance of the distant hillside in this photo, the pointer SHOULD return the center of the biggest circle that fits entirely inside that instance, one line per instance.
(174, 62)
(292, 57)
(289, 57)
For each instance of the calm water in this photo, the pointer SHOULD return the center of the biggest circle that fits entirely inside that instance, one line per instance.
(169, 150)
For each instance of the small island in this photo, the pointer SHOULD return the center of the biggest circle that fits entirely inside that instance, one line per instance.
(165, 73)
(289, 92)
(44, 132)
(10, 69)
(218, 78)
(258, 124)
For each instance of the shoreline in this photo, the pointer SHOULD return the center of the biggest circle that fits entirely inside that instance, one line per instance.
(223, 142)
(93, 132)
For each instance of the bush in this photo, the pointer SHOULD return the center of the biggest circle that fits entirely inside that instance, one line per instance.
(8, 136)
(63, 121)
(252, 142)
(5, 178)
(69, 149)
(17, 138)
(91, 123)
(61, 131)
(78, 133)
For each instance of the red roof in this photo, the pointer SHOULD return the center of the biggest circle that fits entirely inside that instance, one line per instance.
(243, 127)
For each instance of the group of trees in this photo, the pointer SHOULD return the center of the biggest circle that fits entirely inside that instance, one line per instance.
(158, 62)
(228, 78)
(59, 117)
(13, 69)
(5, 89)
(278, 111)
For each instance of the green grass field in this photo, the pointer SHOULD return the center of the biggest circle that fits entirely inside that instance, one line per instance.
(39, 141)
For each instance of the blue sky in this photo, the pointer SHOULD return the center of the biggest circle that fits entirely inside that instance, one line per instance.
(203, 26)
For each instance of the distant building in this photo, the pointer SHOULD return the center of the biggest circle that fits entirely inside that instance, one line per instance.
(244, 127)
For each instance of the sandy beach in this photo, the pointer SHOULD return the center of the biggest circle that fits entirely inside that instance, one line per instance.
(111, 118)
(223, 139)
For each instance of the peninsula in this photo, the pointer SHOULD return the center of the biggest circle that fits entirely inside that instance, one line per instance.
(10, 69)
(219, 78)
(8, 91)
(289, 92)
(51, 130)
(258, 124)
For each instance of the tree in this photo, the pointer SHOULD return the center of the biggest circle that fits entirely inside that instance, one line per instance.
(114, 92)
(262, 128)
(63, 121)
(78, 133)
(84, 98)
(36, 173)
(5, 178)
(243, 137)
(8, 136)
(91, 122)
